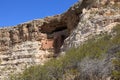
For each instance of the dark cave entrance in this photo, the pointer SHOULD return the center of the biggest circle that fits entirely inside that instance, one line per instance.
(60, 34)
(59, 29)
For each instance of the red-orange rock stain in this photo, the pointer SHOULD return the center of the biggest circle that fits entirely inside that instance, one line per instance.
(47, 44)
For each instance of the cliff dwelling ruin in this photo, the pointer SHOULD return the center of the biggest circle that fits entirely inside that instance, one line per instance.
(54, 40)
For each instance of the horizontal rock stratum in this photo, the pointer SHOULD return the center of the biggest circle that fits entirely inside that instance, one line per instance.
(37, 41)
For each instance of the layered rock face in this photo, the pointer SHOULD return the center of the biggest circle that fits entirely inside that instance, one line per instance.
(34, 42)
(100, 18)
(37, 41)
(30, 43)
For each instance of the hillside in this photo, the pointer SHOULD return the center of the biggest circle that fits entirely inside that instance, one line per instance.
(81, 44)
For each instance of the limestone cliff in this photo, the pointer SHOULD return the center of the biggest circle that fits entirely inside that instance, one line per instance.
(100, 18)
(29, 43)
(37, 41)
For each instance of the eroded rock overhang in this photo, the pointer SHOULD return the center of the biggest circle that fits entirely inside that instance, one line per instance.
(36, 41)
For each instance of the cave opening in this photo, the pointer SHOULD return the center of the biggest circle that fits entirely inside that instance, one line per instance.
(59, 29)
(58, 42)
(60, 34)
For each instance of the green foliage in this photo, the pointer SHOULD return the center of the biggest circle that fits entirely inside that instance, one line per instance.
(116, 71)
(116, 61)
(56, 69)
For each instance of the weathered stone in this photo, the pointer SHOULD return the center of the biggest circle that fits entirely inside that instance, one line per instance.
(91, 24)
(37, 41)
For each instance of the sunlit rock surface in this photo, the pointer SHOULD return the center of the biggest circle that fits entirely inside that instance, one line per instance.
(37, 41)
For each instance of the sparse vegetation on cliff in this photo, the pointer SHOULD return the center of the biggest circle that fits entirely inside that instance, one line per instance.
(98, 52)
(86, 33)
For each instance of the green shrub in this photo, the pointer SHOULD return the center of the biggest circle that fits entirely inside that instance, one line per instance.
(116, 71)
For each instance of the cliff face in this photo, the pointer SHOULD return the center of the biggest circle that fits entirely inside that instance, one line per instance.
(30, 43)
(33, 42)
(37, 41)
(100, 18)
